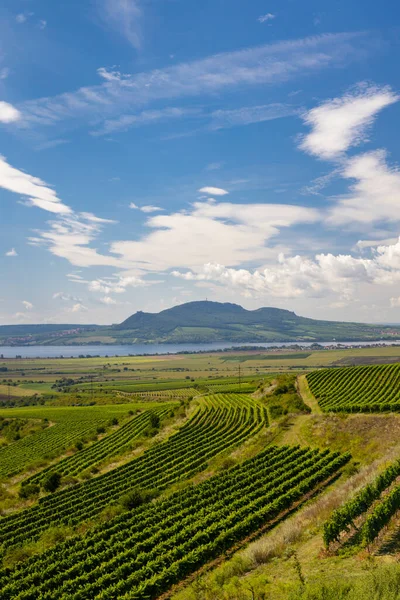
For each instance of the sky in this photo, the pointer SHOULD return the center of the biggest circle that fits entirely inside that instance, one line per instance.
(155, 152)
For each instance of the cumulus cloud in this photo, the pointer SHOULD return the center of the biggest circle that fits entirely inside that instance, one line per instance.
(116, 284)
(11, 252)
(213, 191)
(36, 191)
(8, 113)
(343, 122)
(299, 276)
(28, 305)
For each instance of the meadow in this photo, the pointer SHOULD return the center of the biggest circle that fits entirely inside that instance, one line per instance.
(243, 475)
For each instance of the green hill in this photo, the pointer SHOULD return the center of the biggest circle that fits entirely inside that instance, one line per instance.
(196, 322)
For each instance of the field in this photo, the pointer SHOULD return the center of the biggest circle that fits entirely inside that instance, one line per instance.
(185, 477)
(357, 389)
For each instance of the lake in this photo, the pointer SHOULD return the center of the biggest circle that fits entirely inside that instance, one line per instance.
(137, 349)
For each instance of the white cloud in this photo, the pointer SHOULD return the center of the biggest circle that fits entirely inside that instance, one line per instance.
(147, 117)
(222, 232)
(149, 208)
(42, 24)
(8, 113)
(375, 195)
(260, 65)
(267, 17)
(125, 17)
(28, 305)
(21, 18)
(108, 300)
(213, 191)
(298, 276)
(78, 307)
(65, 297)
(11, 252)
(116, 284)
(4, 73)
(37, 191)
(338, 124)
(222, 119)
(69, 237)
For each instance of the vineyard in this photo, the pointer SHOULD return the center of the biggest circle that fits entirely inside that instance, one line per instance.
(177, 480)
(381, 496)
(373, 388)
(222, 422)
(67, 425)
(111, 445)
(142, 553)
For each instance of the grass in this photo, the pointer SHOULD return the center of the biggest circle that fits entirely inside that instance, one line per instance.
(306, 394)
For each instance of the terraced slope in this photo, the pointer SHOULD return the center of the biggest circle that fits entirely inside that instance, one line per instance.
(373, 388)
(141, 554)
(223, 421)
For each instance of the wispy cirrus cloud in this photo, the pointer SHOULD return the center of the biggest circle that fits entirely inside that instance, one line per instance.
(124, 17)
(206, 120)
(261, 65)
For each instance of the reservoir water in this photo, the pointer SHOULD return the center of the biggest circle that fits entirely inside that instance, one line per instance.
(140, 349)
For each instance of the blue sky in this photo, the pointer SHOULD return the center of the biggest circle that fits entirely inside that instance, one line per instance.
(155, 152)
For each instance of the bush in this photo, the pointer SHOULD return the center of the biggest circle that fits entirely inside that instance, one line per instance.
(137, 497)
(28, 491)
(51, 482)
(154, 420)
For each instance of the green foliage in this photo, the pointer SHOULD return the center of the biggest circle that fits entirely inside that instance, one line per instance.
(137, 497)
(51, 482)
(342, 518)
(222, 422)
(28, 491)
(144, 551)
(372, 388)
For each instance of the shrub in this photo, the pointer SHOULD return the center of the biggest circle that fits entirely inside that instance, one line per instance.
(28, 491)
(51, 482)
(137, 497)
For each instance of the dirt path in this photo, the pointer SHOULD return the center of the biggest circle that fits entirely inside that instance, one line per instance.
(307, 396)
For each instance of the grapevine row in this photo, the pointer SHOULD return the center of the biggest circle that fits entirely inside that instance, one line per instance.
(223, 423)
(373, 388)
(142, 553)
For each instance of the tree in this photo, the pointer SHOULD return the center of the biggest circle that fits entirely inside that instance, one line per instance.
(154, 420)
(51, 482)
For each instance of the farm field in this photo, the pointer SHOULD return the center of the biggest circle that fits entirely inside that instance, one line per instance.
(357, 389)
(159, 484)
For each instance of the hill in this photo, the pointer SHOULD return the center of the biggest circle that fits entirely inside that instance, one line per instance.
(203, 321)
(214, 321)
